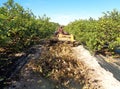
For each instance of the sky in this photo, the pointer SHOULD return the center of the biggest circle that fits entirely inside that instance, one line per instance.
(66, 11)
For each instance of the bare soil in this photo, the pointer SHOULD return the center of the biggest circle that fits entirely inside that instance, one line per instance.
(61, 67)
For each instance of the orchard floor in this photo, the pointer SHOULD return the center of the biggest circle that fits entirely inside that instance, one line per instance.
(98, 77)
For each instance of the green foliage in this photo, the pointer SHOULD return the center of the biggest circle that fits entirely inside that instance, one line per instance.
(20, 28)
(95, 34)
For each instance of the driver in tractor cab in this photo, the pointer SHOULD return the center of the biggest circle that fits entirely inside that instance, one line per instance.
(60, 31)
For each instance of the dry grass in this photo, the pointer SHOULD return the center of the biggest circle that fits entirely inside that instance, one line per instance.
(2, 49)
(58, 63)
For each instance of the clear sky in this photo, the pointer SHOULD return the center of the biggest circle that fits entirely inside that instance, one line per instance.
(65, 11)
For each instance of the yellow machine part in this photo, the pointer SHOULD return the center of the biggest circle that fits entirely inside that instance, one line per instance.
(63, 37)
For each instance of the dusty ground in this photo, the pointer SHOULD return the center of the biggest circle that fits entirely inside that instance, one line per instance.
(30, 80)
(95, 76)
(105, 78)
(110, 64)
(62, 78)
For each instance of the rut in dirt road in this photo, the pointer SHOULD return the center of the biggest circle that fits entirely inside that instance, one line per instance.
(112, 67)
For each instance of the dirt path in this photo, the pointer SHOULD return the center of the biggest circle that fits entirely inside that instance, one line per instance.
(30, 80)
(109, 66)
(27, 78)
(95, 76)
(105, 78)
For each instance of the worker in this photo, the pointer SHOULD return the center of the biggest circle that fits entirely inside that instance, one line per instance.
(60, 31)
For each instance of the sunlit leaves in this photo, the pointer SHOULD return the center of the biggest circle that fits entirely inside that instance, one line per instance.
(95, 34)
(19, 28)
